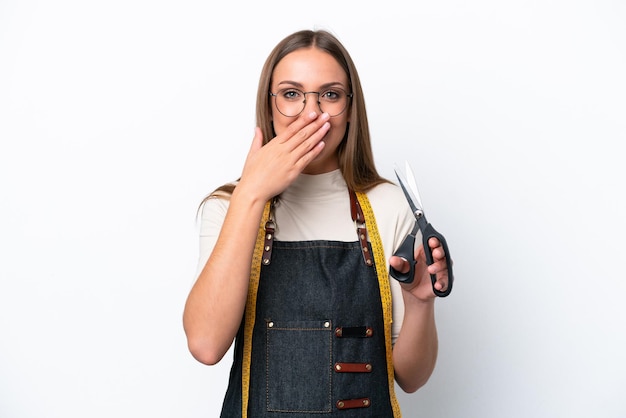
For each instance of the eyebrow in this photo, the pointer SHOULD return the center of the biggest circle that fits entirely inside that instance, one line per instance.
(322, 87)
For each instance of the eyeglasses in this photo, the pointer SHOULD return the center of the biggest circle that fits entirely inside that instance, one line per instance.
(290, 101)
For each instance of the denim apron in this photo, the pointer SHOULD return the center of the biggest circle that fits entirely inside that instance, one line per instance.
(318, 346)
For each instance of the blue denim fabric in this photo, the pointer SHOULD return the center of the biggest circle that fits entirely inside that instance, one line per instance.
(308, 290)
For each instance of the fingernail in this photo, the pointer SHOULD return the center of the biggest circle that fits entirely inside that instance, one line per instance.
(325, 116)
(312, 115)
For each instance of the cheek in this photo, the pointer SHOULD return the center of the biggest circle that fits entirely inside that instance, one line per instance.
(340, 129)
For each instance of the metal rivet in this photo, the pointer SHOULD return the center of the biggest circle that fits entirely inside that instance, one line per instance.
(338, 332)
(368, 262)
(368, 367)
(266, 261)
(326, 324)
(270, 324)
(268, 236)
(267, 248)
(340, 404)
(338, 367)
(365, 249)
(362, 236)
(366, 402)
(368, 332)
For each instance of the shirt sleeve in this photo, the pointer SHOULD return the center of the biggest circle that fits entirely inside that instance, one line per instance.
(212, 216)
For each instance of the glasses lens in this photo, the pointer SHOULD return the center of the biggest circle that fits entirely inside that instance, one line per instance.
(333, 101)
(291, 102)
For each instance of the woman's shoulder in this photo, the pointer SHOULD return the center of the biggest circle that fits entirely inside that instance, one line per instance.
(389, 194)
(212, 213)
(388, 202)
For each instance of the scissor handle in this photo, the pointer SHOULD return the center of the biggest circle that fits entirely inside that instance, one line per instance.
(430, 232)
(406, 251)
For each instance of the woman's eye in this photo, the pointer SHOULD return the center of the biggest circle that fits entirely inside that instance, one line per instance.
(331, 95)
(291, 94)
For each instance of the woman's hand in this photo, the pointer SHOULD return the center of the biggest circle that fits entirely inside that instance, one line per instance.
(422, 287)
(270, 169)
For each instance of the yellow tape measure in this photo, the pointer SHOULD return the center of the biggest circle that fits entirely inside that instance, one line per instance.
(250, 315)
(385, 293)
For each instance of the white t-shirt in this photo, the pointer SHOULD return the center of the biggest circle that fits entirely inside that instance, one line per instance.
(317, 207)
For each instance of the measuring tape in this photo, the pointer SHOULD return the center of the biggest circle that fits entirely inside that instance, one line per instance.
(385, 293)
(250, 315)
(385, 296)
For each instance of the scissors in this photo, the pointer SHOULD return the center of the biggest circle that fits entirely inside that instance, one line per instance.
(407, 248)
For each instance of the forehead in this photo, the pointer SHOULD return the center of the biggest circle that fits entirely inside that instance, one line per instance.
(309, 67)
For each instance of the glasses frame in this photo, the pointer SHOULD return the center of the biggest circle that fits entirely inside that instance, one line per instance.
(304, 93)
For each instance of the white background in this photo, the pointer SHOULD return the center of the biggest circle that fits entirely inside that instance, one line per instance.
(117, 117)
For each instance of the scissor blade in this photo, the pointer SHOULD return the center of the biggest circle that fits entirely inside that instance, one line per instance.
(407, 191)
(413, 184)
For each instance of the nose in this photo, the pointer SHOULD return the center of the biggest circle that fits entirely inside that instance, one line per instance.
(312, 104)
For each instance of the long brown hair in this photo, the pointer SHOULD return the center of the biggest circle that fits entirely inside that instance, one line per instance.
(356, 160)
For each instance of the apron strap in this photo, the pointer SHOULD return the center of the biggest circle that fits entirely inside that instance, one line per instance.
(361, 230)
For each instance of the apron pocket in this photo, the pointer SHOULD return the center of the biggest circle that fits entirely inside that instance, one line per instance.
(299, 366)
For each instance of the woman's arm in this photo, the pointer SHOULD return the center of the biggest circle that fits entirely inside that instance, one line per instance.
(415, 350)
(216, 302)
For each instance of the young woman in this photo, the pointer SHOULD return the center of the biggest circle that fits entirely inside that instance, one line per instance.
(294, 255)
